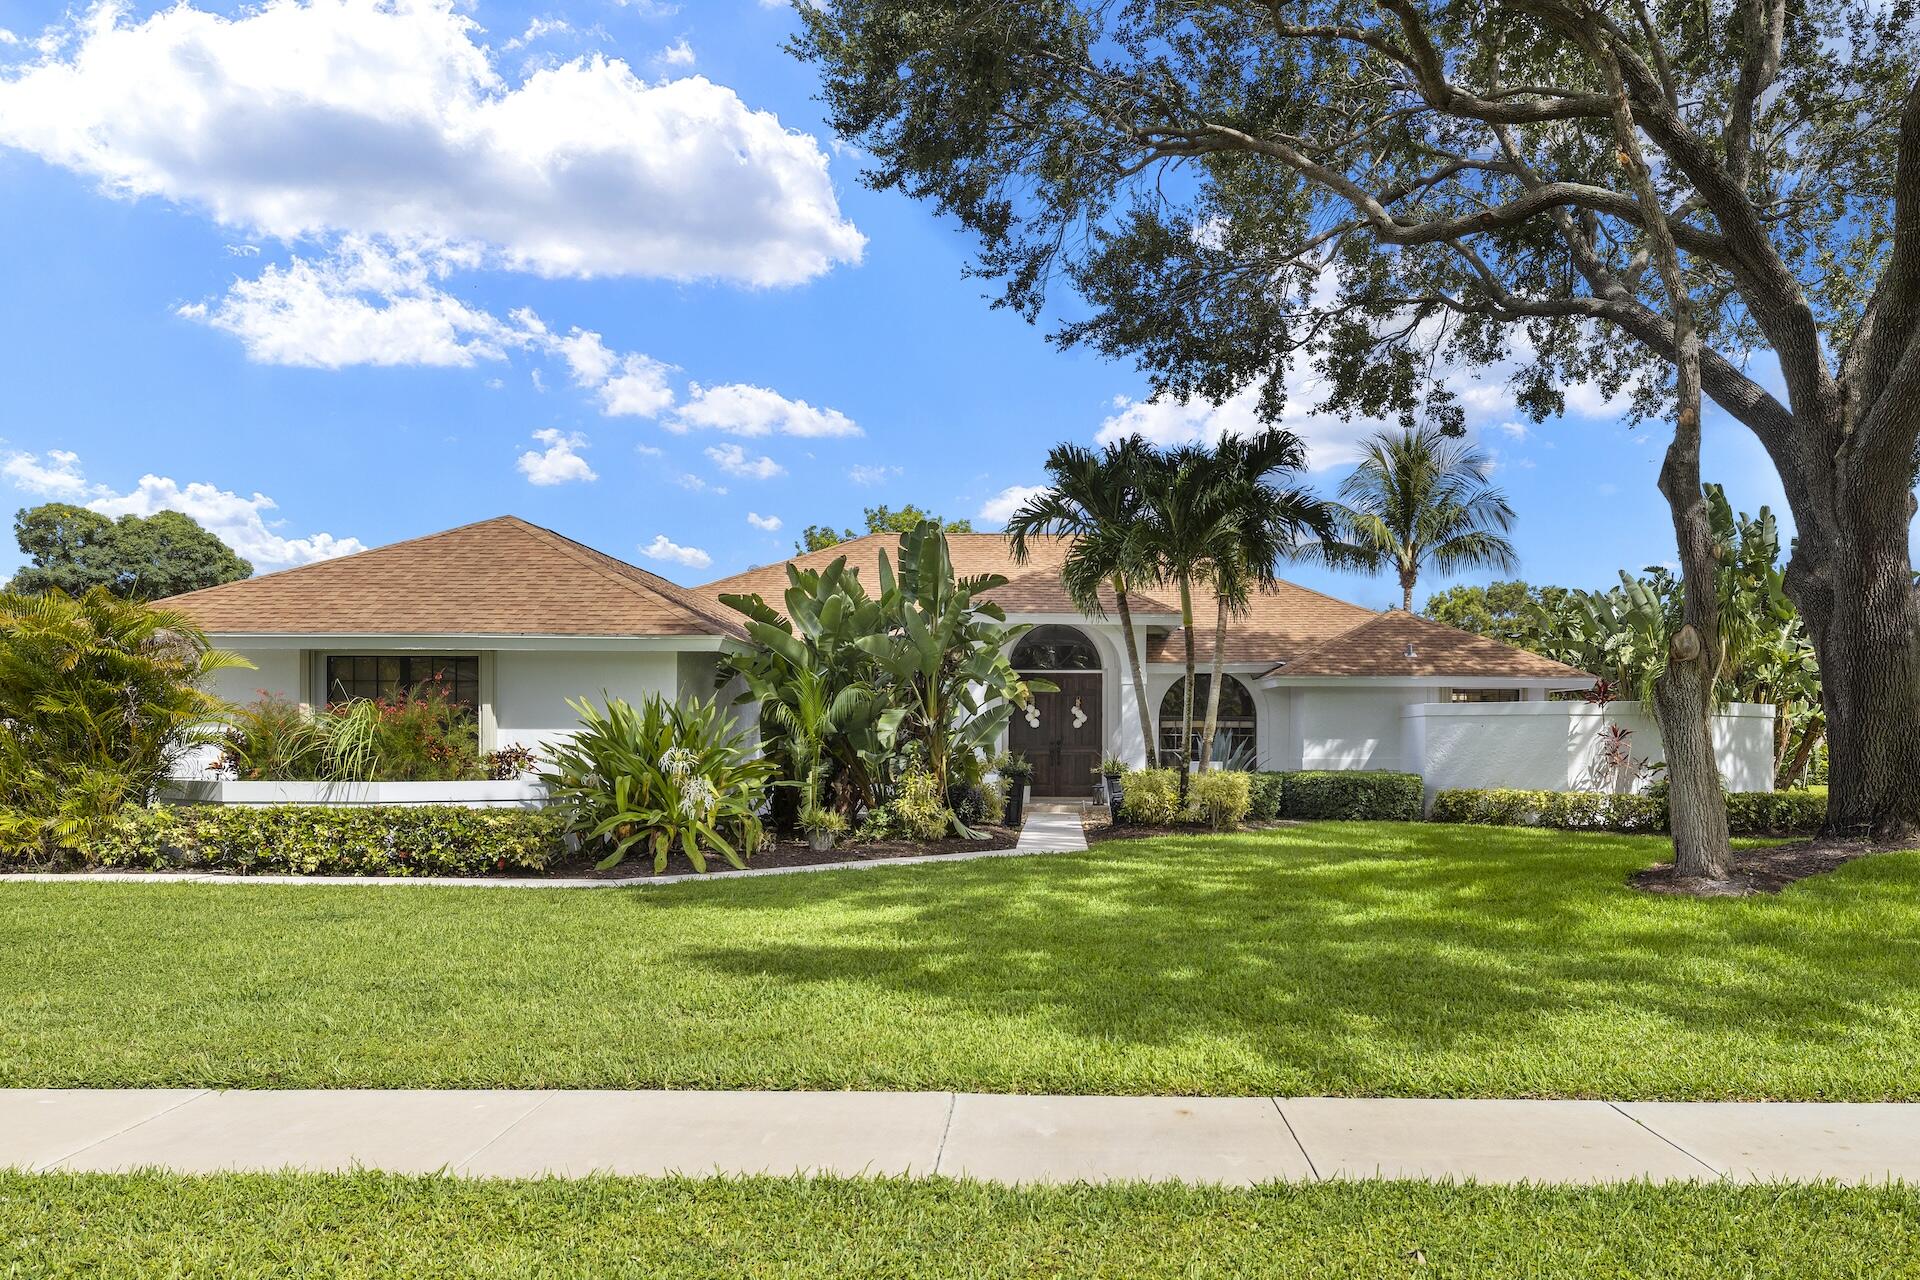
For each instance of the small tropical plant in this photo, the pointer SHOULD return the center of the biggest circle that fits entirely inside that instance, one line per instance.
(422, 735)
(661, 776)
(1221, 798)
(99, 697)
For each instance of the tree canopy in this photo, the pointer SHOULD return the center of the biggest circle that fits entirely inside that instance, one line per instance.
(137, 557)
(1379, 199)
(880, 519)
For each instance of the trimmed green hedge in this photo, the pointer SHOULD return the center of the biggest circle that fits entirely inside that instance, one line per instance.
(373, 840)
(1341, 795)
(1749, 813)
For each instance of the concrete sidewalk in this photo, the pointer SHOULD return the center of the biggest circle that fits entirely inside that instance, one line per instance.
(1003, 1138)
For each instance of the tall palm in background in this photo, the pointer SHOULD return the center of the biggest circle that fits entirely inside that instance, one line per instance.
(1260, 522)
(1420, 500)
(1095, 499)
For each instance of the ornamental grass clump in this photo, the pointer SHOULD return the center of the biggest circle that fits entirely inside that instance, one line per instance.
(662, 776)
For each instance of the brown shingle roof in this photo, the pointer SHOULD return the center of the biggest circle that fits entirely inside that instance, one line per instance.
(1033, 587)
(498, 577)
(1286, 624)
(1378, 647)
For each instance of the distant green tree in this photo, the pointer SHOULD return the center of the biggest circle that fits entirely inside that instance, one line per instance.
(1497, 610)
(139, 558)
(880, 519)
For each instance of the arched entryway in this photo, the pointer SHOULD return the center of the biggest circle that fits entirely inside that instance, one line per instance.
(1061, 733)
(1236, 733)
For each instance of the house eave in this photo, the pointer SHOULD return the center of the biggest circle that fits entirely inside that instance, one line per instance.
(472, 640)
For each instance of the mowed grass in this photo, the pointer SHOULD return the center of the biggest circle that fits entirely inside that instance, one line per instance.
(240, 1226)
(1331, 959)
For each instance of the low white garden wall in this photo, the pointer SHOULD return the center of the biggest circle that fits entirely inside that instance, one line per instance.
(1554, 746)
(524, 793)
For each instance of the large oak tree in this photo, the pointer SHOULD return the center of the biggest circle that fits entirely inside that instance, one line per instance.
(1379, 190)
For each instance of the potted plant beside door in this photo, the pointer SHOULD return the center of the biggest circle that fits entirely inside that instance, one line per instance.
(1017, 772)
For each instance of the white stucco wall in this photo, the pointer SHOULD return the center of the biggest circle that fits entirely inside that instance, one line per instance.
(1349, 728)
(278, 672)
(531, 688)
(1552, 746)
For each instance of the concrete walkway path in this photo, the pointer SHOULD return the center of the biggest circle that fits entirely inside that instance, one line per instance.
(1052, 829)
(1002, 1138)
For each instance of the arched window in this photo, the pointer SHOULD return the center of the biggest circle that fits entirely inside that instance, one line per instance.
(1235, 733)
(1055, 649)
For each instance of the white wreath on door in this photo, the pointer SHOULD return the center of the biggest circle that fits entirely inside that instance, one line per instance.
(1079, 716)
(1033, 715)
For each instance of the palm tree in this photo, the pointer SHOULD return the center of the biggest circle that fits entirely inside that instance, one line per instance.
(1188, 526)
(1420, 500)
(1095, 498)
(1262, 522)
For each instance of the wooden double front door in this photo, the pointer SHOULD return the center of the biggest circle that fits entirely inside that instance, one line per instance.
(1063, 748)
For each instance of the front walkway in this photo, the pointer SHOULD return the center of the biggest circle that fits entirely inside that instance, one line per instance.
(1002, 1138)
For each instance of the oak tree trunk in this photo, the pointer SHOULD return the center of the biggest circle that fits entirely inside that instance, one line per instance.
(1852, 578)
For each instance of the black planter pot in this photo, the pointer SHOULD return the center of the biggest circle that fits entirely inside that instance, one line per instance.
(1016, 800)
(1116, 794)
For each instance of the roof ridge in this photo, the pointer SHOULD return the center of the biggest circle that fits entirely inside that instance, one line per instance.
(351, 555)
(1361, 625)
(594, 559)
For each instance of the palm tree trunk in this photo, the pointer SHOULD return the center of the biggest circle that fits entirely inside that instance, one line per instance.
(1186, 707)
(1135, 670)
(1213, 685)
(1407, 582)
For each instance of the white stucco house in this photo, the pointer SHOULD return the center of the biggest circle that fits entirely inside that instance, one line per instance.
(520, 618)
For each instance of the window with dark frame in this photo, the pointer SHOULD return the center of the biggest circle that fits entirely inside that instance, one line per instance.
(1483, 695)
(389, 676)
(1236, 730)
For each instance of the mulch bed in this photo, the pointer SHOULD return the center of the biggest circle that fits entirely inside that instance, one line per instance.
(1766, 870)
(796, 853)
(1104, 832)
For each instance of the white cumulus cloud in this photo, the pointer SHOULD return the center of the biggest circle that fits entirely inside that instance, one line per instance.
(364, 305)
(59, 477)
(1331, 440)
(862, 473)
(560, 462)
(735, 461)
(770, 524)
(665, 548)
(240, 522)
(1000, 507)
(386, 118)
(743, 410)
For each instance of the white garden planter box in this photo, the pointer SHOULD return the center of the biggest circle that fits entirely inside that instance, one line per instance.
(523, 793)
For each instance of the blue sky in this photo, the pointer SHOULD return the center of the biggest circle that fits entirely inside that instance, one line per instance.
(334, 275)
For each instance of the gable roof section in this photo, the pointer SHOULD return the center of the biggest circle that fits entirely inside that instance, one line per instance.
(498, 577)
(1280, 623)
(1033, 587)
(1378, 647)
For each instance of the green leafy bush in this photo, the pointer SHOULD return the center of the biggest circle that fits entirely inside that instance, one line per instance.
(422, 735)
(663, 775)
(1266, 792)
(1754, 813)
(377, 840)
(1151, 798)
(1220, 798)
(99, 698)
(1351, 795)
(920, 807)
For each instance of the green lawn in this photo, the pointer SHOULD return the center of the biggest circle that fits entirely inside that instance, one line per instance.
(240, 1226)
(1329, 959)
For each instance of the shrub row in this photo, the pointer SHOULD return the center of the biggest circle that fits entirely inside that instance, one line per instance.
(376, 840)
(1749, 813)
(1151, 796)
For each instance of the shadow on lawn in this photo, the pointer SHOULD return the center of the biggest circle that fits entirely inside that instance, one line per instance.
(1362, 957)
